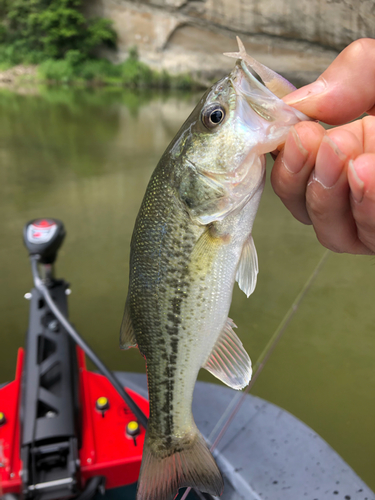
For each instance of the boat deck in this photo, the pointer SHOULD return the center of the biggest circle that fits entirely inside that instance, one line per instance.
(267, 453)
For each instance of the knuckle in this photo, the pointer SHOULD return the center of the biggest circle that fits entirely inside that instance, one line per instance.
(368, 239)
(325, 240)
(341, 237)
(366, 226)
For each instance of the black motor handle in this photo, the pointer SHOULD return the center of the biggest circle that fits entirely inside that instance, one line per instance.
(44, 237)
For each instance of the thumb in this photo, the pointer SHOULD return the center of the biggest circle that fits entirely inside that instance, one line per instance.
(346, 88)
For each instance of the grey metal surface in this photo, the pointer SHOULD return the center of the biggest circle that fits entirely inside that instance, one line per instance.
(267, 453)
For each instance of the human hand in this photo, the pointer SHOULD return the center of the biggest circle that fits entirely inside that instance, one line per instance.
(327, 178)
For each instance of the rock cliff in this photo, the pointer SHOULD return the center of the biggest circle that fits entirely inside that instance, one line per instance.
(298, 38)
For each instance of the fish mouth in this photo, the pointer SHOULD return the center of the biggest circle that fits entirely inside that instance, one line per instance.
(251, 89)
(246, 80)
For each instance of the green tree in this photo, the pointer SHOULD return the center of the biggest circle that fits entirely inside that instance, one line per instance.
(36, 30)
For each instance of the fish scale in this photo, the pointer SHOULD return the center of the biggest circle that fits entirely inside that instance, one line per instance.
(167, 290)
(192, 240)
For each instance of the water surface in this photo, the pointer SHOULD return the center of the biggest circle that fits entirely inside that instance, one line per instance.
(85, 157)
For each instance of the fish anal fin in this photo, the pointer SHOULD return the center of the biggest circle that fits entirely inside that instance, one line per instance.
(247, 269)
(127, 336)
(190, 465)
(229, 361)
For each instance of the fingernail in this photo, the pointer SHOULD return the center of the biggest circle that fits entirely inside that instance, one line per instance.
(294, 155)
(329, 163)
(303, 93)
(357, 186)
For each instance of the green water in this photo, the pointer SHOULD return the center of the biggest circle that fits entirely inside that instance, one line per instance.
(85, 157)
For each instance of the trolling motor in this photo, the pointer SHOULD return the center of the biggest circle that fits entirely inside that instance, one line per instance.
(64, 431)
(45, 255)
(49, 438)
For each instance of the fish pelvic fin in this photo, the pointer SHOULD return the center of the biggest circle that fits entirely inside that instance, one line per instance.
(188, 463)
(229, 361)
(127, 335)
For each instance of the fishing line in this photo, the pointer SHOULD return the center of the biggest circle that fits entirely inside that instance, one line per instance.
(262, 360)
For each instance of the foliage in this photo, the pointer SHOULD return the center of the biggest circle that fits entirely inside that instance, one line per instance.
(35, 30)
(132, 73)
(56, 35)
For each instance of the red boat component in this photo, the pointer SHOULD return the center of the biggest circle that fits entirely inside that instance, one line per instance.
(10, 462)
(111, 440)
(108, 448)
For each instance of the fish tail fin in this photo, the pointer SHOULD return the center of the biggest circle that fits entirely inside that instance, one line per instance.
(191, 464)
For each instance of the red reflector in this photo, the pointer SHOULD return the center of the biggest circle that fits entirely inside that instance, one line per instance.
(43, 223)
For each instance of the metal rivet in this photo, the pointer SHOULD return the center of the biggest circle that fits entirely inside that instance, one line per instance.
(28, 296)
(53, 325)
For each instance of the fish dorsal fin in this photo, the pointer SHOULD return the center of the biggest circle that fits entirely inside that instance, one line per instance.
(247, 269)
(276, 83)
(127, 336)
(229, 361)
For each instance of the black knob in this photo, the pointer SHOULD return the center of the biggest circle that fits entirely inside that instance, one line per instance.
(44, 237)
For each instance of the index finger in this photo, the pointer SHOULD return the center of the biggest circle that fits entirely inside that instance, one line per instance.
(345, 90)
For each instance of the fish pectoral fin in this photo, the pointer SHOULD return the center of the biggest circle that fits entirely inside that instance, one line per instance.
(229, 361)
(247, 269)
(127, 336)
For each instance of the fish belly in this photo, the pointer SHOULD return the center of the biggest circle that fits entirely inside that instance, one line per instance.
(181, 282)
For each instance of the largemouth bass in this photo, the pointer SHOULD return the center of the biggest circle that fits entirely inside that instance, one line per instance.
(191, 242)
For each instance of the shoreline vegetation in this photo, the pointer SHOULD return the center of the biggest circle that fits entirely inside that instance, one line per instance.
(51, 42)
(132, 73)
(94, 72)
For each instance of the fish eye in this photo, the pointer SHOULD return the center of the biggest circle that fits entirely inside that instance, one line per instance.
(212, 116)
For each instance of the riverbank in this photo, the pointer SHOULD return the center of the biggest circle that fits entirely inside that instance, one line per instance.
(131, 74)
(18, 77)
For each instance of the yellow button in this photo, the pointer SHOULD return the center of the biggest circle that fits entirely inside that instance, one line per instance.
(2, 418)
(132, 429)
(102, 403)
(133, 426)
